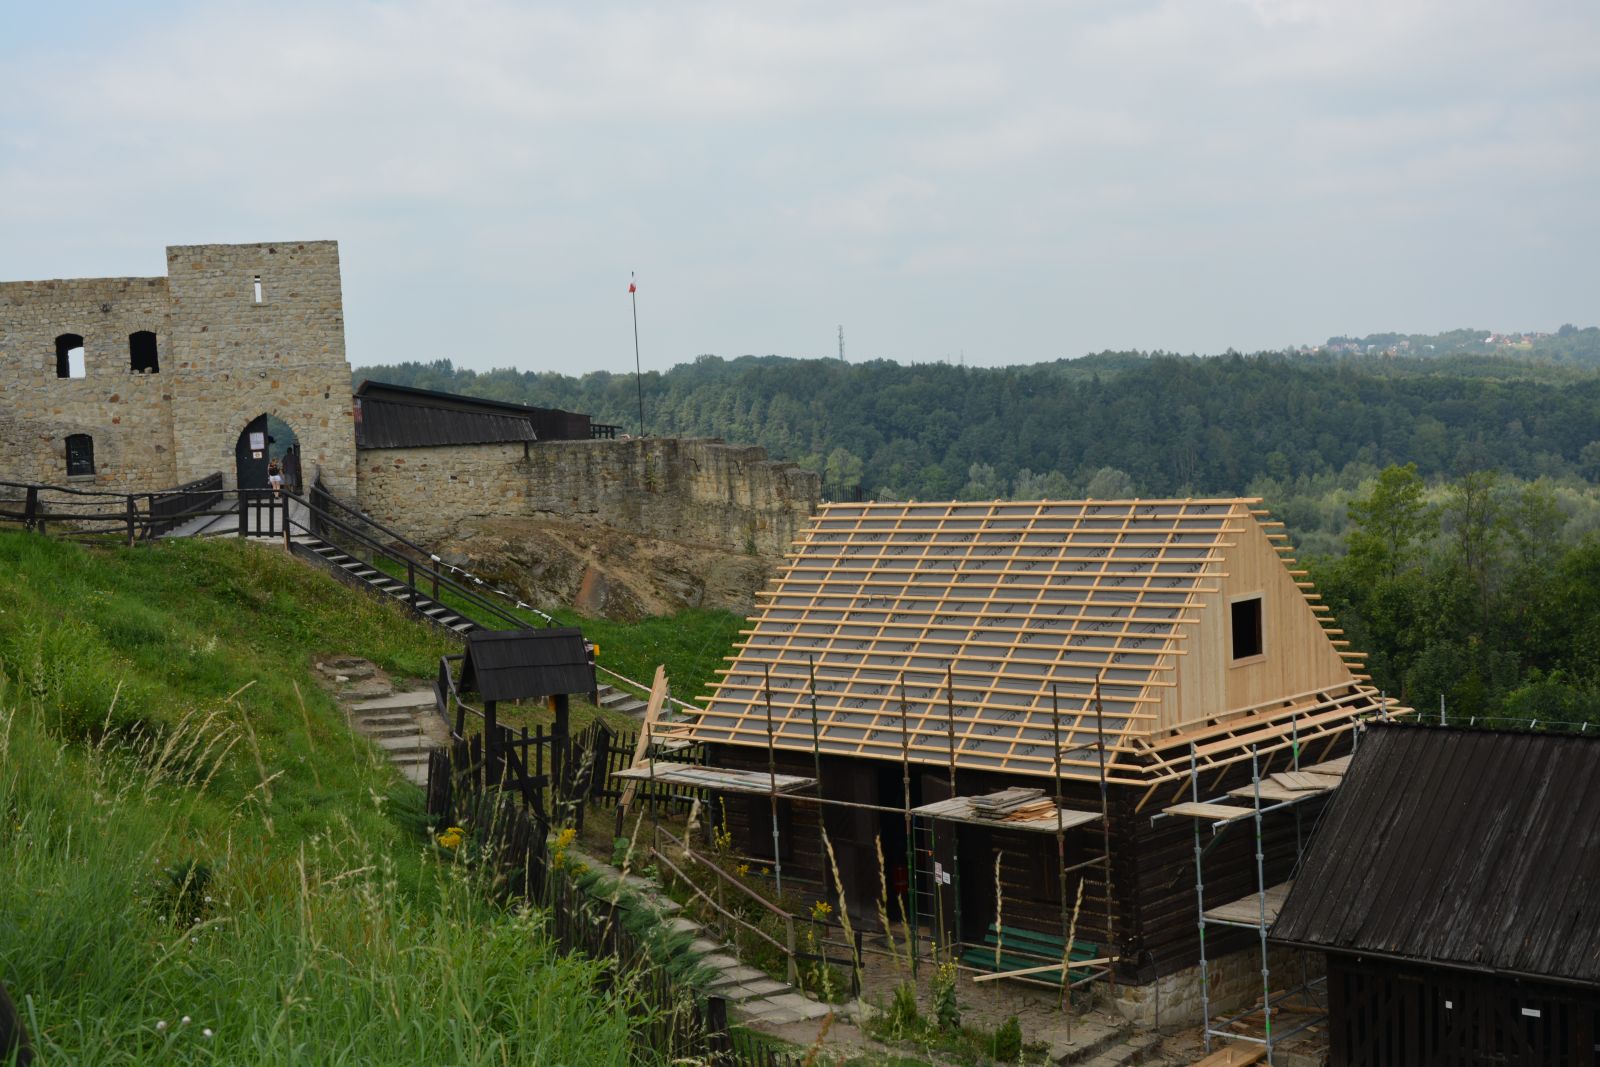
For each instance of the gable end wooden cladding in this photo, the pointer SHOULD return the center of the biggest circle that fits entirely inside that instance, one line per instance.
(906, 630)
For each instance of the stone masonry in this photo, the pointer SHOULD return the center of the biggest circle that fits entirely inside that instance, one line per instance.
(224, 358)
(699, 491)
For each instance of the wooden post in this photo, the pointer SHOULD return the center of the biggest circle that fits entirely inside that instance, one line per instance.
(658, 697)
(955, 831)
(491, 746)
(244, 513)
(792, 969)
(411, 583)
(1061, 857)
(30, 510)
(913, 928)
(1105, 822)
(132, 515)
(772, 786)
(559, 750)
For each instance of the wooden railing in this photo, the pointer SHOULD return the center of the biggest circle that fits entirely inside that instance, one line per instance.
(98, 514)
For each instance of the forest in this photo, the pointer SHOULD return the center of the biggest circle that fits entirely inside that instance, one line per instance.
(1445, 504)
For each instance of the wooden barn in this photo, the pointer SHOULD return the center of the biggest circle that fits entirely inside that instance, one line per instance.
(1455, 887)
(911, 659)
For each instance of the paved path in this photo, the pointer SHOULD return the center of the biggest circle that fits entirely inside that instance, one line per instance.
(753, 996)
(402, 724)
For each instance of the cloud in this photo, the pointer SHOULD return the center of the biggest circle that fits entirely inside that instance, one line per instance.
(495, 166)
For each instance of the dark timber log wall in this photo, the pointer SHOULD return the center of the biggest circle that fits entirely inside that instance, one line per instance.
(1154, 917)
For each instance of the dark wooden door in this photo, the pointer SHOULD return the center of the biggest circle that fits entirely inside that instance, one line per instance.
(251, 462)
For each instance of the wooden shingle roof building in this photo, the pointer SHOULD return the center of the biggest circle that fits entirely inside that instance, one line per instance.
(909, 655)
(1455, 886)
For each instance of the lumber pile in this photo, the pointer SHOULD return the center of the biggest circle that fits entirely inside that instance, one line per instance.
(1013, 805)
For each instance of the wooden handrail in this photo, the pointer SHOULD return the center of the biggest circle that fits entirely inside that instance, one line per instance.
(705, 861)
(697, 891)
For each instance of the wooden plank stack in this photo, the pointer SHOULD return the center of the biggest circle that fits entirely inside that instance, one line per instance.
(1013, 805)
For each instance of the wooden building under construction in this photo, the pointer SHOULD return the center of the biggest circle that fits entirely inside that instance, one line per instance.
(1117, 656)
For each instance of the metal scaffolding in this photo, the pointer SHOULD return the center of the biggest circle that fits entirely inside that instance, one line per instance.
(1266, 795)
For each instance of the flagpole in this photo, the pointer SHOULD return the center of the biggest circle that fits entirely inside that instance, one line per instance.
(638, 375)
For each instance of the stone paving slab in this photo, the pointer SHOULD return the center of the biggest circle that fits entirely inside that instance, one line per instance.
(414, 743)
(738, 976)
(418, 699)
(761, 988)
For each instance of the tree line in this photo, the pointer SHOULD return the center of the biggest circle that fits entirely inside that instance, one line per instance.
(1105, 425)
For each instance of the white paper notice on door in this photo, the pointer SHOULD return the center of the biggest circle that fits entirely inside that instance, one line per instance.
(258, 441)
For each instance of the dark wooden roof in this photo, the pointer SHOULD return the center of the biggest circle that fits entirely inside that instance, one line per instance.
(519, 664)
(1469, 848)
(399, 416)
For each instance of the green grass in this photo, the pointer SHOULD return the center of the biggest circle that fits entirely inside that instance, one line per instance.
(157, 716)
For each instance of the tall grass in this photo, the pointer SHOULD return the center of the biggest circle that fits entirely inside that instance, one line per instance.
(195, 867)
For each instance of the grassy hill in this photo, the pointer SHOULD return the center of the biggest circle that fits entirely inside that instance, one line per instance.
(200, 864)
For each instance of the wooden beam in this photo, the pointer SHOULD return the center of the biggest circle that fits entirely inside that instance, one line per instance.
(652, 711)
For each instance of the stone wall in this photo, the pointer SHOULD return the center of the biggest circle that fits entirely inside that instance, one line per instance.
(427, 493)
(128, 415)
(1234, 983)
(703, 492)
(224, 358)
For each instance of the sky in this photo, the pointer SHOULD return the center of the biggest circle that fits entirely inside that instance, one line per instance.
(1004, 181)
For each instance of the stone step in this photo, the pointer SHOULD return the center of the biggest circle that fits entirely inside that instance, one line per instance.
(780, 1009)
(733, 976)
(385, 718)
(414, 743)
(1090, 1037)
(417, 698)
(757, 989)
(408, 729)
(1145, 1048)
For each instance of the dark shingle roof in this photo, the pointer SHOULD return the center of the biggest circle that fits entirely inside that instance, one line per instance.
(519, 664)
(398, 416)
(1470, 848)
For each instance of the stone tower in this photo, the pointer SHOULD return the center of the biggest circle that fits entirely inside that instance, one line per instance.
(259, 329)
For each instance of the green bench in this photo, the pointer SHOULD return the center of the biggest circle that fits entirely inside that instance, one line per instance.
(1021, 949)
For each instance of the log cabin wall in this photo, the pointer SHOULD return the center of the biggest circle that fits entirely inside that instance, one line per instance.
(1385, 1012)
(1153, 917)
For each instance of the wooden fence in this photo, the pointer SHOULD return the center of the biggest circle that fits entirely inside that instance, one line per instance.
(598, 752)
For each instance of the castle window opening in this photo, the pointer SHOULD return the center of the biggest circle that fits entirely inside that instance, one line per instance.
(258, 288)
(69, 357)
(142, 352)
(80, 454)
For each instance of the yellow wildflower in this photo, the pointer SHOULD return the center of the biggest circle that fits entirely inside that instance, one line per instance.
(821, 910)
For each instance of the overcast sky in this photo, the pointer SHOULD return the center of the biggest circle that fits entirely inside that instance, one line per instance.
(1019, 181)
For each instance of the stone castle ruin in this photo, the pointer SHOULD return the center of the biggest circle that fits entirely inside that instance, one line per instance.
(142, 384)
(138, 384)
